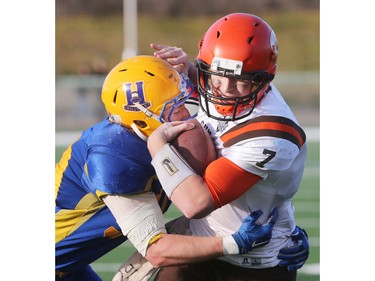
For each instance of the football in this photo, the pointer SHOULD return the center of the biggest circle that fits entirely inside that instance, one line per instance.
(196, 147)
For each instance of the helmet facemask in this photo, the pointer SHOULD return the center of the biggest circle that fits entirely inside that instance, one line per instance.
(224, 108)
(238, 46)
(186, 89)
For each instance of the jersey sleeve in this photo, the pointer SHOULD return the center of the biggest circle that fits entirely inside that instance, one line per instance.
(228, 186)
(264, 143)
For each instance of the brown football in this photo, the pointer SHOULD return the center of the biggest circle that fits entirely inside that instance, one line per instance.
(196, 146)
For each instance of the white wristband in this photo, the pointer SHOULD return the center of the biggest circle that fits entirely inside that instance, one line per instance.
(230, 246)
(171, 168)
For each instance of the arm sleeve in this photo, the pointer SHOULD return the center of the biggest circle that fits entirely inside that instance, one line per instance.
(139, 217)
(229, 185)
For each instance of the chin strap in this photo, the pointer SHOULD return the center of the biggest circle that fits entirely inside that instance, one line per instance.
(138, 132)
(146, 111)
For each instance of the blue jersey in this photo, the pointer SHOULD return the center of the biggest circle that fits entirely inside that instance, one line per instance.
(106, 159)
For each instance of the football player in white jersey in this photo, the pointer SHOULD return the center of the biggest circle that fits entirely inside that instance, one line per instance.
(261, 151)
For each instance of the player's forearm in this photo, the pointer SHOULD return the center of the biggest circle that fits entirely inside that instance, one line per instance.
(193, 198)
(174, 249)
(186, 189)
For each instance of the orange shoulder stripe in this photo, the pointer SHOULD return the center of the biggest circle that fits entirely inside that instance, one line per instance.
(273, 126)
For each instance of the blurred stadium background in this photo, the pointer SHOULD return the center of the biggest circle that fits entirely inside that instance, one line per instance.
(91, 37)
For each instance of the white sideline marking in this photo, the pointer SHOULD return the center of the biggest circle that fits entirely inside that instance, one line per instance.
(312, 133)
(312, 269)
(106, 267)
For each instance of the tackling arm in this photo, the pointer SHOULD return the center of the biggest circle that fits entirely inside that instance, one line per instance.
(176, 249)
(173, 249)
(141, 220)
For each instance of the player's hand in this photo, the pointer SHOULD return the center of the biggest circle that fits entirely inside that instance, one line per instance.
(174, 55)
(294, 257)
(135, 268)
(165, 133)
(252, 234)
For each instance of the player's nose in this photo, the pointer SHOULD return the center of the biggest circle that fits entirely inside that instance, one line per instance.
(228, 87)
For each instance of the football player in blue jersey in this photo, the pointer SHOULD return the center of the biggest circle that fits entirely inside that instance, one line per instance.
(106, 190)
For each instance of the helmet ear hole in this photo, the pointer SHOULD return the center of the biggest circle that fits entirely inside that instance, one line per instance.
(200, 43)
(138, 132)
(140, 123)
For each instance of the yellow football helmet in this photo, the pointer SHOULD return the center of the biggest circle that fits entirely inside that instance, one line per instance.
(138, 90)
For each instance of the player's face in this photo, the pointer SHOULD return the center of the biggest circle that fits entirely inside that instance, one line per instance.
(230, 87)
(179, 113)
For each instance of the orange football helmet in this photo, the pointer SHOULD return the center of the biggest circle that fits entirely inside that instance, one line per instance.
(237, 46)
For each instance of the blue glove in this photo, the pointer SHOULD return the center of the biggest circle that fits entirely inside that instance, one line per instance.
(294, 257)
(252, 234)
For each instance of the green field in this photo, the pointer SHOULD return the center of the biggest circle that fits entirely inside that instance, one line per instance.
(307, 216)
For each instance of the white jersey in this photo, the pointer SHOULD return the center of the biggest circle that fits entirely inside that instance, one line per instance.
(277, 157)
